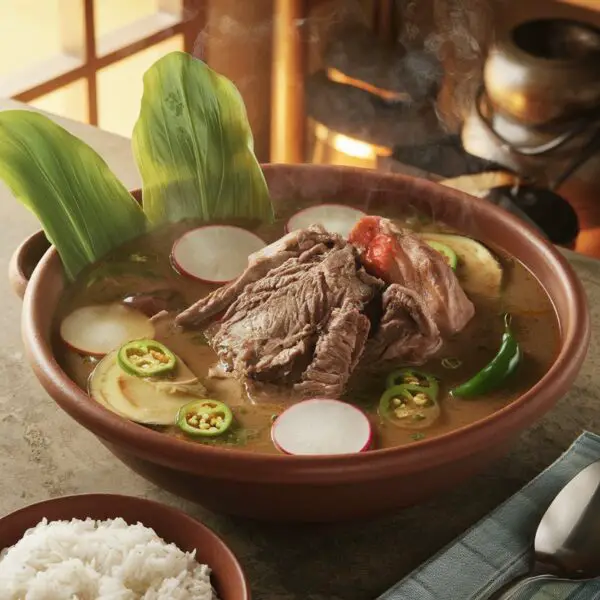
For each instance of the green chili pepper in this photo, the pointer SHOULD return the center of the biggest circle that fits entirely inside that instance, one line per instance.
(410, 406)
(146, 358)
(204, 418)
(413, 380)
(493, 375)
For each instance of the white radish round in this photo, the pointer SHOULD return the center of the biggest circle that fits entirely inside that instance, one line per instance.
(98, 329)
(321, 427)
(335, 218)
(215, 253)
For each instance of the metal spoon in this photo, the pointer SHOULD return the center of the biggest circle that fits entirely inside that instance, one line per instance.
(567, 540)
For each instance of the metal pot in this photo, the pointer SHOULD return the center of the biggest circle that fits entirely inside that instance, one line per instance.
(545, 70)
(540, 154)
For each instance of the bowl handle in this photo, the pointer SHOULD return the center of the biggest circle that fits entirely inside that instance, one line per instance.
(24, 261)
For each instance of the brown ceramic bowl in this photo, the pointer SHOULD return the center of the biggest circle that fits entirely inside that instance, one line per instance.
(170, 524)
(280, 487)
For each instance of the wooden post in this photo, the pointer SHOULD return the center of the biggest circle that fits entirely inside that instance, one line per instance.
(194, 14)
(385, 24)
(287, 85)
(238, 42)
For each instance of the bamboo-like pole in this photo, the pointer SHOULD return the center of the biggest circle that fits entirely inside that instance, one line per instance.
(386, 21)
(287, 83)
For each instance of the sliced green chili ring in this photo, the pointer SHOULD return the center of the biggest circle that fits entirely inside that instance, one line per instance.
(422, 410)
(146, 358)
(494, 374)
(406, 377)
(446, 252)
(451, 363)
(204, 418)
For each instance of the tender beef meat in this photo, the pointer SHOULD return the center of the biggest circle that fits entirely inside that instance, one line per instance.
(406, 333)
(401, 257)
(306, 312)
(259, 264)
(336, 354)
(301, 319)
(426, 272)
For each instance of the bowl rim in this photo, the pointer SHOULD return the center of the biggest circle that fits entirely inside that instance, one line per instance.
(157, 507)
(254, 467)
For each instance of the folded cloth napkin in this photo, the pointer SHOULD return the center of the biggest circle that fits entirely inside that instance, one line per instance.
(498, 548)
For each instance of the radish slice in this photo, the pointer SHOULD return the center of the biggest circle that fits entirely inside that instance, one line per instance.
(335, 218)
(321, 426)
(98, 329)
(215, 253)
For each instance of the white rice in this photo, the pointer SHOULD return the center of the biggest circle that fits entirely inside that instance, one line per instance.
(100, 560)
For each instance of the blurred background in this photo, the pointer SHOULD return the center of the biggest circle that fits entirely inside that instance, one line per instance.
(411, 86)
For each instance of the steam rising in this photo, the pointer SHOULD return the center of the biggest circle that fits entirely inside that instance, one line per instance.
(455, 32)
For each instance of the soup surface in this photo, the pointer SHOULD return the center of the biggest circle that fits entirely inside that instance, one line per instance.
(144, 265)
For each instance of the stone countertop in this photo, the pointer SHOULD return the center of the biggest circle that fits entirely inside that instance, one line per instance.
(44, 453)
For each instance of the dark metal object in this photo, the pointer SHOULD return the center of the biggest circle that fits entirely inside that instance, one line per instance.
(363, 116)
(545, 210)
(585, 121)
(544, 70)
(541, 84)
(445, 157)
(570, 131)
(568, 537)
(548, 212)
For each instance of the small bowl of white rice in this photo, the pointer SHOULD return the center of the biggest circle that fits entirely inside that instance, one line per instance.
(109, 547)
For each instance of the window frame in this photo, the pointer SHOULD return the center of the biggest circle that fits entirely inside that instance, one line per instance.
(194, 14)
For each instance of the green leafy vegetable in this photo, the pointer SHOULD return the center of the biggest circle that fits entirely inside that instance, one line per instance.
(84, 209)
(194, 147)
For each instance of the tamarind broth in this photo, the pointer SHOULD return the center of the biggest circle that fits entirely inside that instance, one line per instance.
(143, 265)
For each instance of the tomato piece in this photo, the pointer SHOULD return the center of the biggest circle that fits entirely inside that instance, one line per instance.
(364, 232)
(379, 257)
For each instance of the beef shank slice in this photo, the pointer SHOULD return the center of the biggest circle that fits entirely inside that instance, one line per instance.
(302, 318)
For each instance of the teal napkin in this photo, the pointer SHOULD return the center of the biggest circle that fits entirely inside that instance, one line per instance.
(497, 549)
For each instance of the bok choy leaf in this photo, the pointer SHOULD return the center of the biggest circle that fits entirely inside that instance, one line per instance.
(84, 209)
(194, 147)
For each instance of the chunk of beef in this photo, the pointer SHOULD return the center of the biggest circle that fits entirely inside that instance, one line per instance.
(400, 256)
(301, 323)
(336, 354)
(406, 333)
(259, 264)
(305, 312)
